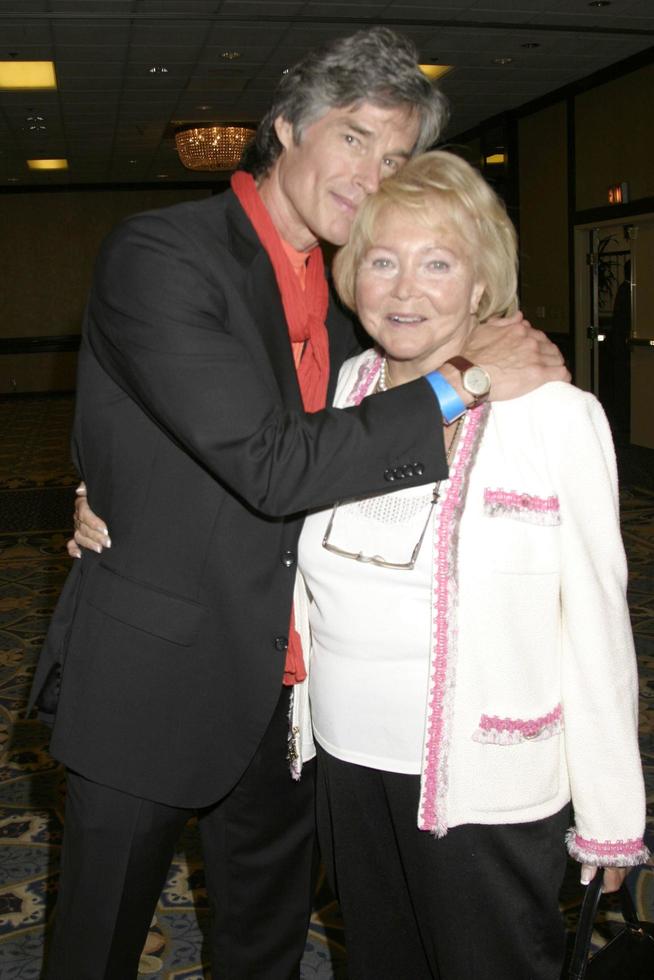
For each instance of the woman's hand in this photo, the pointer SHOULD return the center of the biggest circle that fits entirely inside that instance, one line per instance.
(613, 877)
(90, 530)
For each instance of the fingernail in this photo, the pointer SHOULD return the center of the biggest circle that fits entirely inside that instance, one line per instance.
(98, 548)
(107, 543)
(585, 878)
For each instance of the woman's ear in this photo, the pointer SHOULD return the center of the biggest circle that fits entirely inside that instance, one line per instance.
(475, 298)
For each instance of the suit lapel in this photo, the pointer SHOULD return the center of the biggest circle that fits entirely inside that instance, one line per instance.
(343, 342)
(262, 297)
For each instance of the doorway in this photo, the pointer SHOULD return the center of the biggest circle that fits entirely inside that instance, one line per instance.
(614, 322)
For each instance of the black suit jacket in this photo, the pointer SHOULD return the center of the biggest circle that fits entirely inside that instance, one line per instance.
(190, 435)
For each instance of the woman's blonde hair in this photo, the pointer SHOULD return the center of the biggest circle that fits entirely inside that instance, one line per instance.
(469, 201)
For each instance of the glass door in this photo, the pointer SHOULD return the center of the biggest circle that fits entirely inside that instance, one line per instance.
(611, 288)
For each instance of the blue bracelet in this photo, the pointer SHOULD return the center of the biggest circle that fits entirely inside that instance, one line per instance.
(452, 407)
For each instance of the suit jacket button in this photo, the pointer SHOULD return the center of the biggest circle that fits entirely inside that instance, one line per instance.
(389, 475)
(418, 469)
(399, 475)
(288, 559)
(281, 643)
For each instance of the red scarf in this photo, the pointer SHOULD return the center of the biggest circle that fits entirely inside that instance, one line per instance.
(305, 311)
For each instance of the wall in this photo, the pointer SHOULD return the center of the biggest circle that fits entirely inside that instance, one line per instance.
(614, 138)
(642, 418)
(642, 357)
(643, 272)
(47, 251)
(613, 142)
(544, 264)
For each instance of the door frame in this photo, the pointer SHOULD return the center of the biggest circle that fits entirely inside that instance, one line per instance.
(582, 311)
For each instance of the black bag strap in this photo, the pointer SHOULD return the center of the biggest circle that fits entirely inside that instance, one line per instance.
(628, 909)
(579, 960)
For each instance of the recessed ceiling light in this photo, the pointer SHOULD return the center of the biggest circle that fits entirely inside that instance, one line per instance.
(203, 108)
(530, 44)
(600, 3)
(52, 164)
(22, 75)
(434, 71)
(231, 55)
(158, 70)
(162, 176)
(36, 124)
(13, 180)
(132, 161)
(502, 61)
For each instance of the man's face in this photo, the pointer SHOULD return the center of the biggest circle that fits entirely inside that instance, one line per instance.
(316, 186)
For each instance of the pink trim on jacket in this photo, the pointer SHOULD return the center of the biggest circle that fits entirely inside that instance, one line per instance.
(367, 376)
(511, 731)
(523, 506)
(432, 814)
(606, 853)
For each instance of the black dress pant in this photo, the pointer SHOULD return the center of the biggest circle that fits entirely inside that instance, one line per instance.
(259, 855)
(480, 903)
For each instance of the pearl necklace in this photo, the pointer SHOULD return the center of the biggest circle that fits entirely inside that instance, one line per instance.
(383, 381)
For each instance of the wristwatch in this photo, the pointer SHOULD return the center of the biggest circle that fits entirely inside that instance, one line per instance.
(474, 379)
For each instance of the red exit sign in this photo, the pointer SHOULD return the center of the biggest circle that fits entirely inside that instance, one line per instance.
(619, 193)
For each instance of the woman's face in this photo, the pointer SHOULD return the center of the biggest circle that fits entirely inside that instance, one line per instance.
(416, 289)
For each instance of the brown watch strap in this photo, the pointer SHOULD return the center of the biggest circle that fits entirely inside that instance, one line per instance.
(460, 363)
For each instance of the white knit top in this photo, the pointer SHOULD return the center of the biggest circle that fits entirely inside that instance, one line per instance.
(370, 629)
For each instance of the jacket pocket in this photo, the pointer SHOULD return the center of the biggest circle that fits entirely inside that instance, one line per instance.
(47, 678)
(518, 763)
(144, 607)
(494, 730)
(522, 531)
(525, 507)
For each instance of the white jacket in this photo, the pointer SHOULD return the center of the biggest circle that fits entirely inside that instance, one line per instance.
(533, 688)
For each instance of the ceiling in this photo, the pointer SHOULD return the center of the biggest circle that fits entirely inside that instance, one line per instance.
(113, 119)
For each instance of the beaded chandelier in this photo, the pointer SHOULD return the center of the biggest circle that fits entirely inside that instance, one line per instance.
(212, 147)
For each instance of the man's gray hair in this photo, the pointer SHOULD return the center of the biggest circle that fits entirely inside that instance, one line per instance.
(374, 65)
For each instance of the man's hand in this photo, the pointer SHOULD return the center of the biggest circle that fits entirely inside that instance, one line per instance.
(517, 358)
(90, 530)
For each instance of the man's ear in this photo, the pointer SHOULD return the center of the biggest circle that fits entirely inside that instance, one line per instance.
(284, 131)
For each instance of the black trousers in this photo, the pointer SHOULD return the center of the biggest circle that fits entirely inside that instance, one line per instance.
(480, 903)
(259, 854)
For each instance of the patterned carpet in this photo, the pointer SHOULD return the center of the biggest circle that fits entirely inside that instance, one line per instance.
(36, 493)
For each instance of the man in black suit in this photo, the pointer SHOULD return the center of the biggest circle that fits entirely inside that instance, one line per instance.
(164, 662)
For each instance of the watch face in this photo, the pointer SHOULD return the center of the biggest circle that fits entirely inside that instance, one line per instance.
(476, 381)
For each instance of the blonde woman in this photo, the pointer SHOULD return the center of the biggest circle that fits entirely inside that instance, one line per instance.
(472, 667)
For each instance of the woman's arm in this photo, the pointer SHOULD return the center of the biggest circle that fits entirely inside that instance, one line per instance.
(599, 674)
